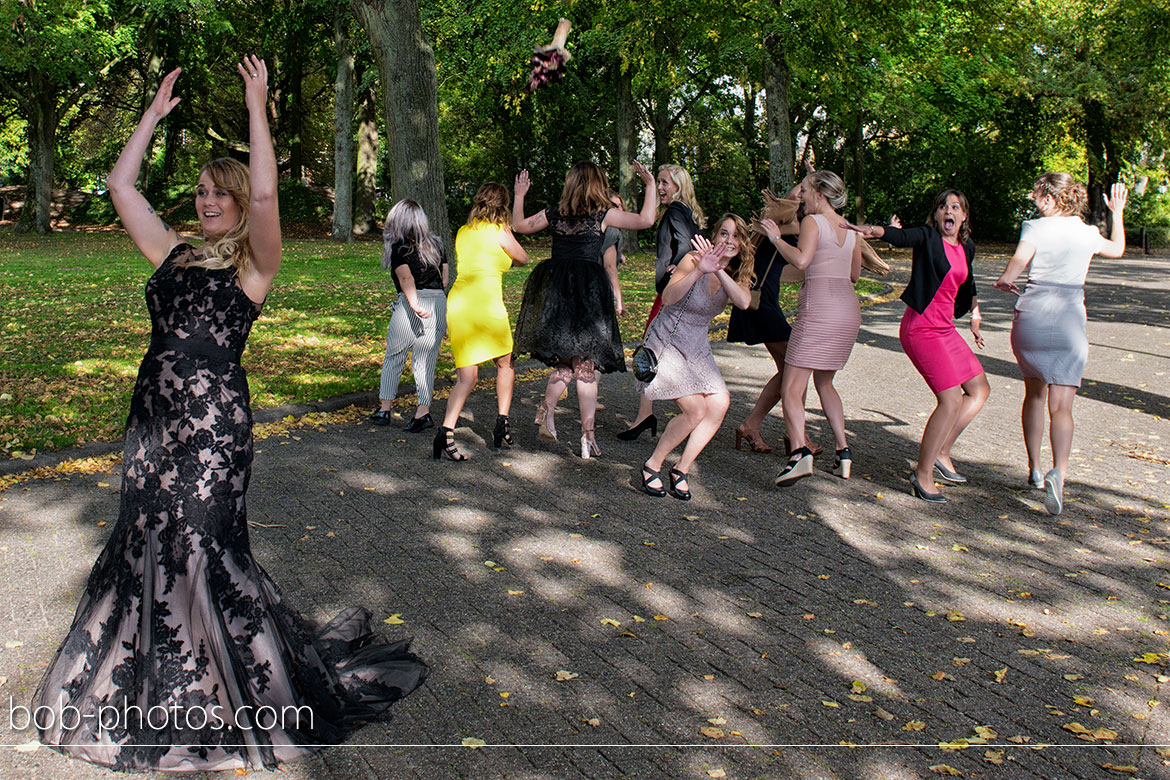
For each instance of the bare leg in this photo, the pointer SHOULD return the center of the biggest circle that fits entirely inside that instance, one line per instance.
(832, 406)
(714, 410)
(505, 381)
(770, 394)
(464, 383)
(558, 382)
(1060, 403)
(938, 428)
(975, 394)
(423, 410)
(1032, 420)
(587, 376)
(645, 409)
(679, 428)
(794, 387)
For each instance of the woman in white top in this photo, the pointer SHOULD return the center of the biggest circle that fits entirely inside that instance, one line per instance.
(1048, 330)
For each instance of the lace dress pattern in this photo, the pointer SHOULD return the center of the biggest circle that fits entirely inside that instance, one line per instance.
(685, 363)
(567, 310)
(182, 655)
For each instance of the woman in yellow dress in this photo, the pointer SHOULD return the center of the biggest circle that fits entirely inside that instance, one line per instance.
(477, 322)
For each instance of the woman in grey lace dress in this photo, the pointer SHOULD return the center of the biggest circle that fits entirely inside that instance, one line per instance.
(700, 288)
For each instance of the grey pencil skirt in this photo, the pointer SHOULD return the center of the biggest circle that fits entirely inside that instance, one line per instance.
(1048, 333)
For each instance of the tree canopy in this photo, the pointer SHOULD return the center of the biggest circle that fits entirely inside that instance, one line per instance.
(901, 98)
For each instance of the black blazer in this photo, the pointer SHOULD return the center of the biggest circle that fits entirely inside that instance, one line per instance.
(929, 266)
(675, 231)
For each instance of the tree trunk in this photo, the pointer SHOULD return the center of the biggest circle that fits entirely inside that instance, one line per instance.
(858, 168)
(660, 125)
(410, 89)
(781, 165)
(293, 112)
(366, 189)
(42, 147)
(150, 82)
(751, 136)
(342, 129)
(1104, 166)
(627, 147)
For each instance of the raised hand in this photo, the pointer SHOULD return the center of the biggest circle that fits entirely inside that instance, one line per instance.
(1120, 196)
(255, 75)
(770, 228)
(163, 102)
(894, 221)
(522, 183)
(709, 254)
(643, 172)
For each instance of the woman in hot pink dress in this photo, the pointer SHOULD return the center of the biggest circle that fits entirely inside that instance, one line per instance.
(941, 288)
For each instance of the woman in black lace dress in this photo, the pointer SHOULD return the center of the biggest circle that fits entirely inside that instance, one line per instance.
(181, 656)
(567, 318)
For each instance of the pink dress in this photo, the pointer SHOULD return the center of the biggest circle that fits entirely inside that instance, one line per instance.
(828, 315)
(930, 339)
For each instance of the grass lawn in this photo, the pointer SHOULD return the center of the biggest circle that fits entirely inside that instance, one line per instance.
(75, 327)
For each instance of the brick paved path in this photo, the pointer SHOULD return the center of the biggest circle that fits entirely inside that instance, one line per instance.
(751, 610)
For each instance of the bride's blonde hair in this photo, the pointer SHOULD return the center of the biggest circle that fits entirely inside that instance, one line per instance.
(232, 249)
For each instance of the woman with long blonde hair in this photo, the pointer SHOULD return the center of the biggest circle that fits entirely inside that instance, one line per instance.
(180, 638)
(681, 219)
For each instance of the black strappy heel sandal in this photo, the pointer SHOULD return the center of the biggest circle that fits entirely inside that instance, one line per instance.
(444, 444)
(648, 476)
(676, 477)
(500, 435)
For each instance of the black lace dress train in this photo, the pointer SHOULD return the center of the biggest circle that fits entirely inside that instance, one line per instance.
(182, 656)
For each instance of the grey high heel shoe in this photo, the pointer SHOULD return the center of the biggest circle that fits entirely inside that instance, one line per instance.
(948, 475)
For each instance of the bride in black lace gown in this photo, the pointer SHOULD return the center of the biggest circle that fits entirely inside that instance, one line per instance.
(181, 655)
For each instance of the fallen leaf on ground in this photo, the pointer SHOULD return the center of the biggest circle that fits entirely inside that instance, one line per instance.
(945, 769)
(717, 721)
(716, 773)
(955, 616)
(830, 703)
(993, 756)
(711, 732)
(881, 713)
(27, 747)
(473, 742)
(394, 620)
(661, 617)
(1127, 768)
(610, 622)
(565, 674)
(1000, 674)
(595, 722)
(1084, 701)
(914, 725)
(985, 732)
(1153, 658)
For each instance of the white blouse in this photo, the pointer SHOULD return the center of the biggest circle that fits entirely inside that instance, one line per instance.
(1064, 248)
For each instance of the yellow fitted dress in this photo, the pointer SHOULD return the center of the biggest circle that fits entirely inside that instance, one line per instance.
(477, 321)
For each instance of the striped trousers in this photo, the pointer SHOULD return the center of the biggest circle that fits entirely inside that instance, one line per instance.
(418, 336)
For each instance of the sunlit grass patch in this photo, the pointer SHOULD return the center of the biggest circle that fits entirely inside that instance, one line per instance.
(74, 328)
